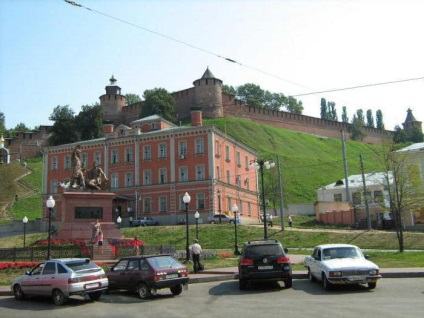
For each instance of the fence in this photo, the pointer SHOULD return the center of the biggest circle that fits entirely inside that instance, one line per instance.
(37, 253)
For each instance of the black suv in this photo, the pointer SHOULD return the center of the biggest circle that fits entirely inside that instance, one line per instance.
(264, 260)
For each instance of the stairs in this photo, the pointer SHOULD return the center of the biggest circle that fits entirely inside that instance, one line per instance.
(107, 254)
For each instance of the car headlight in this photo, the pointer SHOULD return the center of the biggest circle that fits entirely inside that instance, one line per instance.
(374, 272)
(335, 274)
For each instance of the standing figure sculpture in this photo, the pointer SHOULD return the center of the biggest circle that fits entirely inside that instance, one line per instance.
(77, 177)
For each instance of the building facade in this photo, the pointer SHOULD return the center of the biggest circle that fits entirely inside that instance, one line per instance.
(151, 163)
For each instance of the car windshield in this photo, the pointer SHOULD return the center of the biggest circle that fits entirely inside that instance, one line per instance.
(341, 252)
(82, 265)
(264, 250)
(163, 262)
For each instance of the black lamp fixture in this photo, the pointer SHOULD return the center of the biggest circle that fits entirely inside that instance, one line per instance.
(260, 164)
(196, 216)
(24, 221)
(235, 210)
(186, 200)
(50, 203)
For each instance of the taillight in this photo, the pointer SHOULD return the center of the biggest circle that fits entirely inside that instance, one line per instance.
(246, 261)
(85, 278)
(283, 259)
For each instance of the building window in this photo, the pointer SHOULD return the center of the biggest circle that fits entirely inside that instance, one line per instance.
(162, 176)
(84, 159)
(54, 163)
(218, 173)
(98, 158)
(147, 177)
(240, 210)
(182, 148)
(246, 162)
(128, 155)
(154, 126)
(238, 159)
(147, 205)
(247, 184)
(338, 197)
(200, 201)
(162, 151)
(229, 204)
(163, 204)
(378, 196)
(228, 176)
(115, 181)
(356, 198)
(115, 157)
(54, 185)
(217, 151)
(227, 153)
(238, 181)
(249, 209)
(128, 179)
(67, 162)
(147, 153)
(183, 174)
(200, 172)
(200, 146)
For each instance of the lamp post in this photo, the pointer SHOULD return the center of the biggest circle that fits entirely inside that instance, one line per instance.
(259, 164)
(24, 221)
(235, 210)
(196, 216)
(186, 200)
(119, 220)
(50, 205)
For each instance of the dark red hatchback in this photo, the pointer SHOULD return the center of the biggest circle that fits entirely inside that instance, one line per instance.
(146, 274)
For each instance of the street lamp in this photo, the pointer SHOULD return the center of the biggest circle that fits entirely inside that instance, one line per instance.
(24, 221)
(235, 210)
(186, 200)
(119, 220)
(50, 205)
(259, 164)
(196, 216)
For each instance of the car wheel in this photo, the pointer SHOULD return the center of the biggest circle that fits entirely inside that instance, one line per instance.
(311, 277)
(325, 283)
(143, 291)
(176, 290)
(372, 285)
(18, 293)
(58, 297)
(212, 222)
(242, 284)
(231, 222)
(95, 296)
(288, 283)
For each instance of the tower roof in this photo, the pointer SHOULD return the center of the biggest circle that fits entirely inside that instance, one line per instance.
(409, 116)
(112, 80)
(208, 74)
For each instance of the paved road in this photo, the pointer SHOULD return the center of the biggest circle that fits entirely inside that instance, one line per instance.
(224, 299)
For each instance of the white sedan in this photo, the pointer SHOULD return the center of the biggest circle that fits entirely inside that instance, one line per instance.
(341, 264)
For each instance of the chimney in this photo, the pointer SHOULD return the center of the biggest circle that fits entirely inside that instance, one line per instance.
(196, 116)
(108, 127)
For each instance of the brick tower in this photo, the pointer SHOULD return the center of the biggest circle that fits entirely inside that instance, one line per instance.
(112, 103)
(208, 95)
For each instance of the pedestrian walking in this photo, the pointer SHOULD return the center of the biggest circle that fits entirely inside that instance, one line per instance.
(270, 220)
(290, 221)
(100, 238)
(195, 250)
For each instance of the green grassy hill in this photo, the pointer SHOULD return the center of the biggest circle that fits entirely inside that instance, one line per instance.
(307, 162)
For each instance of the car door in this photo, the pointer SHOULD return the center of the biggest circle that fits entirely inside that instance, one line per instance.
(47, 279)
(31, 282)
(116, 275)
(315, 267)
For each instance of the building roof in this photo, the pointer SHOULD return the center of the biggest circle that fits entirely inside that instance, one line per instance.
(409, 116)
(355, 181)
(414, 147)
(208, 74)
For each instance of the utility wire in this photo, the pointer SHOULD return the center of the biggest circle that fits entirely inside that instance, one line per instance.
(236, 62)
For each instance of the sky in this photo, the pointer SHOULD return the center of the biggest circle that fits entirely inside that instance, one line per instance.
(53, 53)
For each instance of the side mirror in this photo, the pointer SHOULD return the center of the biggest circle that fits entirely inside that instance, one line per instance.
(286, 250)
(366, 256)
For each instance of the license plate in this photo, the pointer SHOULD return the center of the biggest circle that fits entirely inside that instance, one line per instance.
(93, 285)
(356, 277)
(265, 267)
(171, 276)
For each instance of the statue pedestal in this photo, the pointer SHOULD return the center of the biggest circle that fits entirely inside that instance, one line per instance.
(79, 212)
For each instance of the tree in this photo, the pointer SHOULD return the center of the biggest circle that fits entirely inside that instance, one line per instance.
(21, 127)
(2, 124)
(345, 119)
(360, 115)
(414, 134)
(399, 135)
(356, 129)
(132, 98)
(294, 106)
(252, 94)
(379, 116)
(88, 122)
(226, 89)
(403, 183)
(331, 111)
(63, 130)
(323, 108)
(370, 119)
(158, 101)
